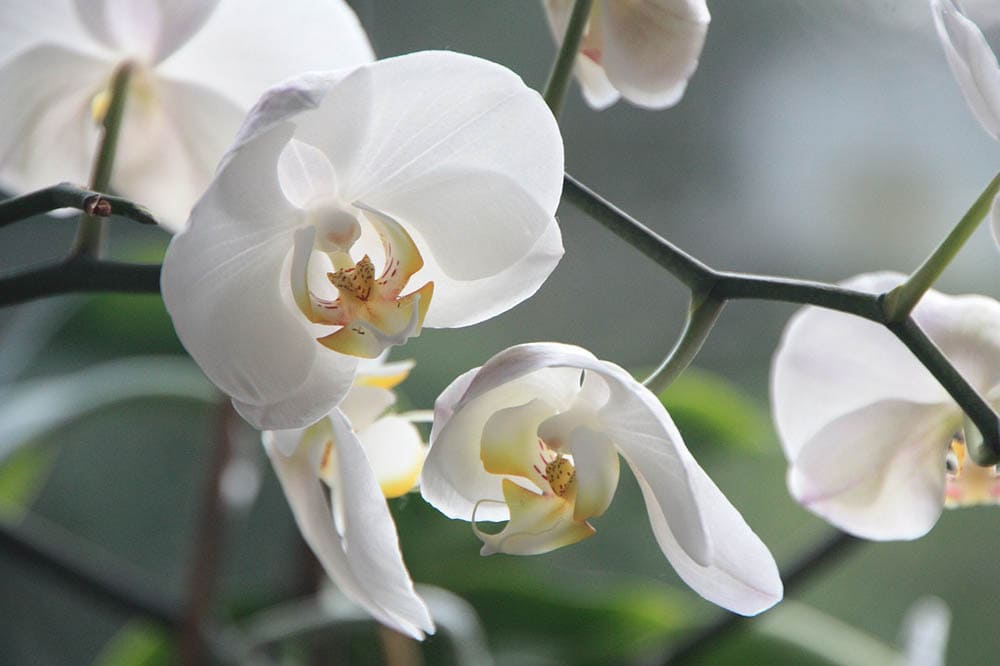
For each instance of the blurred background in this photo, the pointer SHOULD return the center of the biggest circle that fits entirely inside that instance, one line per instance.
(816, 140)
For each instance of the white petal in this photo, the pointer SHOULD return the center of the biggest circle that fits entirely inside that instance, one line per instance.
(433, 113)
(305, 174)
(364, 404)
(741, 574)
(395, 452)
(222, 284)
(651, 47)
(454, 479)
(596, 461)
(830, 363)
(248, 45)
(364, 561)
(596, 88)
(878, 472)
(972, 62)
(148, 29)
(27, 24)
(49, 135)
(170, 146)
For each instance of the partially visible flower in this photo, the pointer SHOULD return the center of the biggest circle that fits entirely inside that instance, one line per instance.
(875, 444)
(362, 458)
(533, 437)
(198, 67)
(354, 207)
(642, 50)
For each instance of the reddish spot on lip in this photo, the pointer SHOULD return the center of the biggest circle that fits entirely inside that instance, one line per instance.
(592, 53)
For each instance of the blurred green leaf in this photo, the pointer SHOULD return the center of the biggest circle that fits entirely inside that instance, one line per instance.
(31, 408)
(712, 411)
(137, 644)
(22, 477)
(593, 627)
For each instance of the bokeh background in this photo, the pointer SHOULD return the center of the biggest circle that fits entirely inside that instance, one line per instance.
(816, 140)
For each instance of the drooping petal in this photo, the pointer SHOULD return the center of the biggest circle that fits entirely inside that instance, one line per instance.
(247, 45)
(454, 479)
(255, 345)
(741, 574)
(651, 47)
(878, 472)
(147, 29)
(538, 524)
(364, 560)
(49, 135)
(829, 364)
(972, 62)
(396, 453)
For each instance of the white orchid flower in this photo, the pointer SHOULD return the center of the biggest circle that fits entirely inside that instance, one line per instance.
(442, 169)
(198, 66)
(642, 50)
(875, 443)
(533, 437)
(363, 459)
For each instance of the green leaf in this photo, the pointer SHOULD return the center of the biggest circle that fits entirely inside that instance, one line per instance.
(712, 411)
(22, 477)
(137, 644)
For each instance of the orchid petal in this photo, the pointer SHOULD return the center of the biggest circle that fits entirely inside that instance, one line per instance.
(741, 574)
(596, 461)
(45, 142)
(651, 47)
(538, 524)
(594, 84)
(305, 174)
(433, 113)
(395, 452)
(972, 62)
(364, 560)
(877, 472)
(24, 25)
(829, 364)
(173, 133)
(247, 45)
(229, 266)
(376, 372)
(148, 29)
(364, 404)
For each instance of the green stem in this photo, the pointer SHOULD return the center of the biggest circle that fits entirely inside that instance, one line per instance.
(90, 234)
(702, 316)
(900, 301)
(79, 274)
(694, 274)
(562, 68)
(68, 195)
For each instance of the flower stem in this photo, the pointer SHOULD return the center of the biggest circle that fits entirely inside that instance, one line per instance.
(701, 318)
(68, 195)
(90, 233)
(79, 274)
(562, 68)
(900, 301)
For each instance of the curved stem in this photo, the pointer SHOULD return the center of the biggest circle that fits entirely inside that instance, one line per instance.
(900, 301)
(79, 274)
(694, 274)
(90, 234)
(702, 316)
(68, 195)
(562, 68)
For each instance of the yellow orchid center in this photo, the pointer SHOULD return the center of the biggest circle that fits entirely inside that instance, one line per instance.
(968, 484)
(370, 311)
(548, 500)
